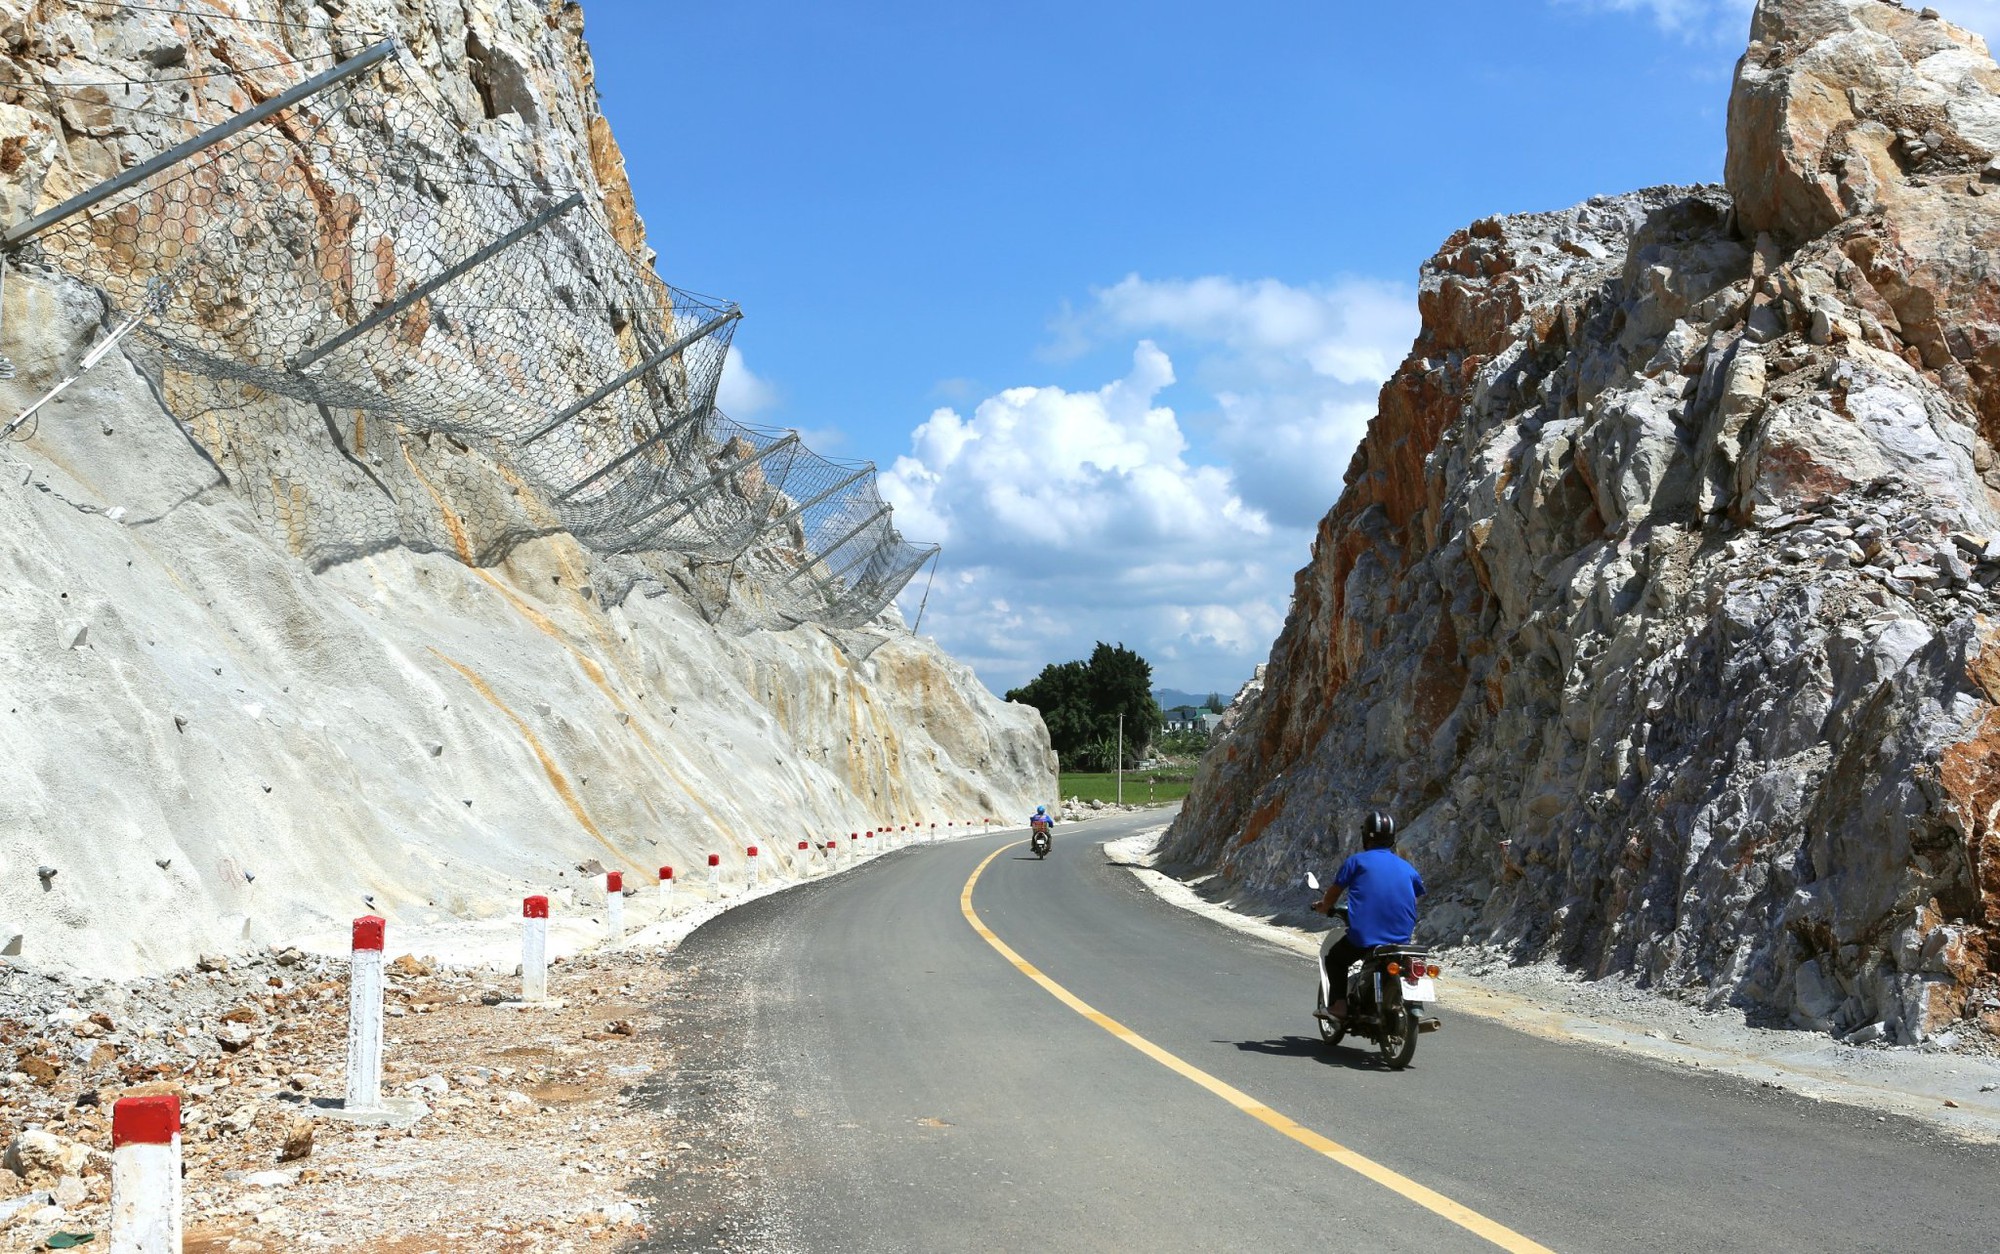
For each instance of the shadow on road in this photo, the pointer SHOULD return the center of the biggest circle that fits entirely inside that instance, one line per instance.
(1314, 1048)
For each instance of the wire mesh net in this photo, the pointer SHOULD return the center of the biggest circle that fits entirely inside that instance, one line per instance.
(384, 336)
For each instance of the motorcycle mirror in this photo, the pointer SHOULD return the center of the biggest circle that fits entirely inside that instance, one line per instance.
(1312, 881)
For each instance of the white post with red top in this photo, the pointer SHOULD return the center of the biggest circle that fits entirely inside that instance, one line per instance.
(715, 875)
(666, 888)
(614, 905)
(534, 950)
(364, 1016)
(750, 870)
(869, 837)
(805, 859)
(146, 1175)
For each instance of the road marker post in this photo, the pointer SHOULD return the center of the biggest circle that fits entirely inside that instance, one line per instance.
(364, 1016)
(750, 869)
(614, 905)
(715, 875)
(666, 889)
(806, 867)
(535, 955)
(535, 949)
(146, 1175)
(869, 836)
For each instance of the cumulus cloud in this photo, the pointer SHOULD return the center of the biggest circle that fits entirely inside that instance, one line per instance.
(1073, 516)
(1078, 475)
(1292, 371)
(742, 393)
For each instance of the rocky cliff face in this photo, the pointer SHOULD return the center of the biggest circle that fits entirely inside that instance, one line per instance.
(1659, 601)
(209, 744)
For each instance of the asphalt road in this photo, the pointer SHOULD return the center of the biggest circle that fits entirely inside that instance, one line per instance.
(912, 1089)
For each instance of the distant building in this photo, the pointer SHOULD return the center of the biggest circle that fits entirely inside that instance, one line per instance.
(1193, 718)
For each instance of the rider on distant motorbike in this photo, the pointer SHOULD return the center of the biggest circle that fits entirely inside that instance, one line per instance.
(1044, 822)
(1382, 904)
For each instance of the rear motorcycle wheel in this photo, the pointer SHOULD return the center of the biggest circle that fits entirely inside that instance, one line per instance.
(1398, 1038)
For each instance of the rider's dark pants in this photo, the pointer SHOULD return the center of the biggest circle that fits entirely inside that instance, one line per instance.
(1339, 960)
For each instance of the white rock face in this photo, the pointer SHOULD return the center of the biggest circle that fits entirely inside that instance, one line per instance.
(213, 746)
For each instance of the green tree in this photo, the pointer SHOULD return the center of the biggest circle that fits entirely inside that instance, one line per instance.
(1214, 703)
(1081, 701)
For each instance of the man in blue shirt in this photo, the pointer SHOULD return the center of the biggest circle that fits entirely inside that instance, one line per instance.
(1044, 822)
(1382, 897)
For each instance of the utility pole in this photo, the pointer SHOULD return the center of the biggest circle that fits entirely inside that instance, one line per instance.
(1121, 759)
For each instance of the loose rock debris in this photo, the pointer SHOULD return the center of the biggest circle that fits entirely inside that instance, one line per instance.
(537, 1138)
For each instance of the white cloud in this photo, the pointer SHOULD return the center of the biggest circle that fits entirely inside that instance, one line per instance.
(742, 393)
(1293, 370)
(1078, 475)
(1069, 517)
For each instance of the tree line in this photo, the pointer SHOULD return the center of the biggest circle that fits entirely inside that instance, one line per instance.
(1081, 701)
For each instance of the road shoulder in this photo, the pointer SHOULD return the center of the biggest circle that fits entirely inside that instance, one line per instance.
(1954, 1092)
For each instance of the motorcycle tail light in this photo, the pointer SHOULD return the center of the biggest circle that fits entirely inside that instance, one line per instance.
(1416, 973)
(1394, 968)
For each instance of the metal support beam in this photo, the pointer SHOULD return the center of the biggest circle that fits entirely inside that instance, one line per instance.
(835, 546)
(650, 441)
(658, 437)
(699, 333)
(796, 510)
(18, 235)
(421, 290)
(156, 295)
(825, 586)
(905, 574)
(701, 489)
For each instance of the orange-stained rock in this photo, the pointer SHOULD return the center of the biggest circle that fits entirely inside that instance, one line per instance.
(1657, 604)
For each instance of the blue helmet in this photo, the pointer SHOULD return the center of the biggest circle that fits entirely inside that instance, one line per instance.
(1041, 809)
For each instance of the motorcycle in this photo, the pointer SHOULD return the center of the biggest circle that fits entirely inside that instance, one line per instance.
(1039, 840)
(1389, 996)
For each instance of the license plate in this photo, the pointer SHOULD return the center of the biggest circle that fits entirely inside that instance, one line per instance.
(1424, 990)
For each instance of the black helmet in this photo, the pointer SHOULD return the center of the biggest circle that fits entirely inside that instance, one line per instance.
(1378, 830)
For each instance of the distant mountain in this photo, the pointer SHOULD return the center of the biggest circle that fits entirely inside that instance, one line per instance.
(1171, 697)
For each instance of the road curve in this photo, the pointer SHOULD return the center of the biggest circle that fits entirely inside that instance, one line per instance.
(914, 1090)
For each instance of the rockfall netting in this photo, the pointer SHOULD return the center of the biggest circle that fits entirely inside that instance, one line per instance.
(384, 336)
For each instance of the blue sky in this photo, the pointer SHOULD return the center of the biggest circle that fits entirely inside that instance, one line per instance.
(1107, 288)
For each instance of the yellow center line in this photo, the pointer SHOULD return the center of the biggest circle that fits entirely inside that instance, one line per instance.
(1437, 1203)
